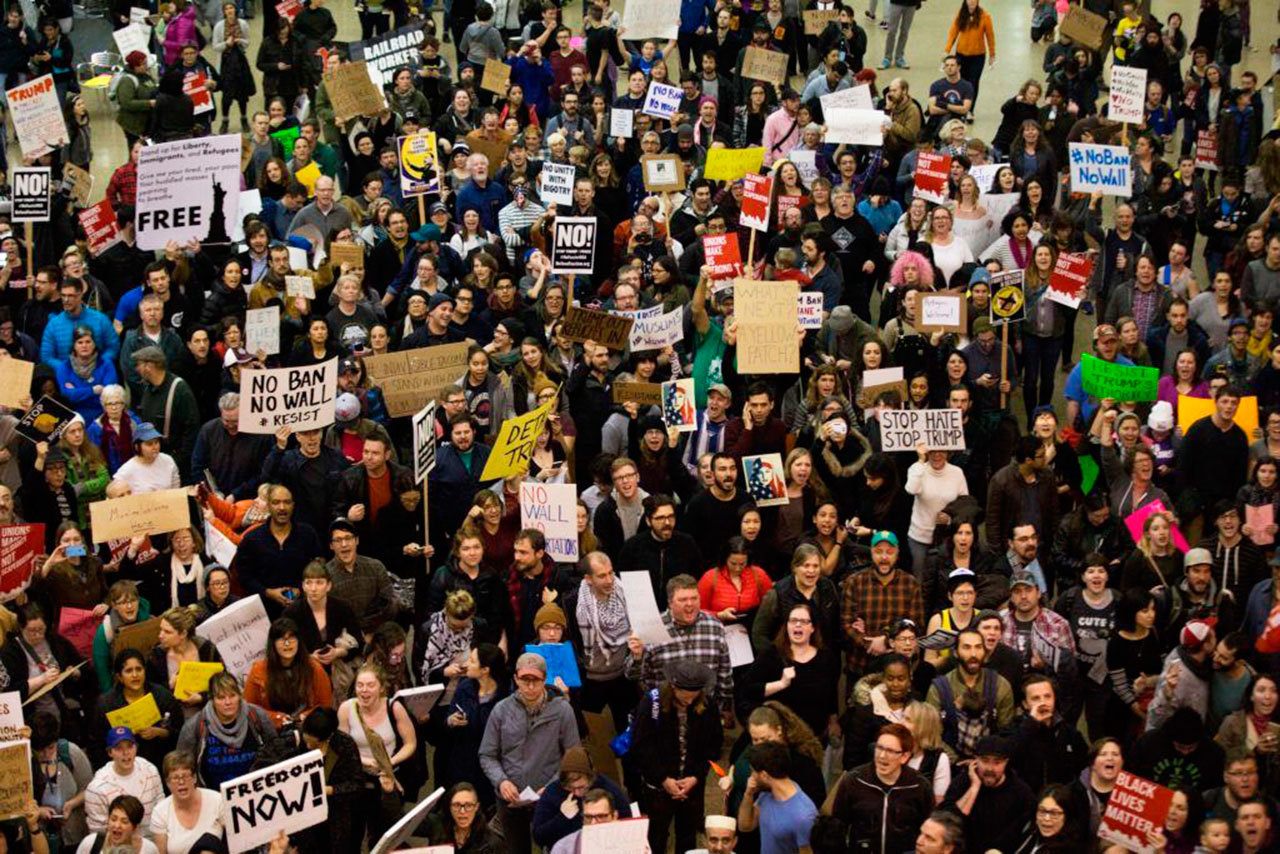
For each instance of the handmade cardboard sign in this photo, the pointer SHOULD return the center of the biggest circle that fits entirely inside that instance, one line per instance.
(409, 379)
(15, 778)
(352, 91)
(496, 78)
(645, 394)
(761, 63)
(1083, 26)
(588, 324)
(15, 381)
(766, 314)
(816, 20)
(129, 516)
(662, 173)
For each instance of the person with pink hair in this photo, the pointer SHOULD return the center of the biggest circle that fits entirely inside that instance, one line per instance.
(910, 269)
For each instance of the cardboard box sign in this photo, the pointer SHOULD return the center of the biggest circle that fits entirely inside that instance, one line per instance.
(1083, 26)
(586, 324)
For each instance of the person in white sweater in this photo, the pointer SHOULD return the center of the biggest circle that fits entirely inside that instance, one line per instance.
(149, 469)
(935, 483)
(126, 774)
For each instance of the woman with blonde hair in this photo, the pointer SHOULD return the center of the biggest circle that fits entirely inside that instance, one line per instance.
(930, 757)
(450, 633)
(176, 645)
(386, 739)
(1156, 562)
(968, 207)
(950, 253)
(951, 137)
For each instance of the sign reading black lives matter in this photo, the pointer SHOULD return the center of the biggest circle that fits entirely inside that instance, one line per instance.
(574, 247)
(288, 796)
(31, 201)
(908, 429)
(301, 398)
(188, 190)
(386, 53)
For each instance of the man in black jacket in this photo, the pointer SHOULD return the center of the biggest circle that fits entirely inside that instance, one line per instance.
(659, 549)
(359, 489)
(311, 471)
(1047, 749)
(991, 799)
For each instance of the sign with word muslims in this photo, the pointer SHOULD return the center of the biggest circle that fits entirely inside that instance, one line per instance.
(933, 171)
(1070, 279)
(1136, 808)
(299, 397)
(419, 173)
(573, 249)
(239, 631)
(37, 117)
(766, 317)
(943, 312)
(908, 429)
(1127, 95)
(32, 190)
(514, 445)
(756, 190)
(288, 796)
(1119, 382)
(1100, 168)
(129, 516)
(19, 545)
(188, 190)
(552, 508)
(409, 379)
(657, 331)
(385, 53)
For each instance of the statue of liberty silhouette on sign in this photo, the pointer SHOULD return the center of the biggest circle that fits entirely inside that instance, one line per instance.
(217, 217)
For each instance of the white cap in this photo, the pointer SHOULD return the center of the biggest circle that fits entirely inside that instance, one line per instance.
(722, 822)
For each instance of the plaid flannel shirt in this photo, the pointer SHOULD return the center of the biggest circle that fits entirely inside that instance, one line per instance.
(703, 640)
(878, 604)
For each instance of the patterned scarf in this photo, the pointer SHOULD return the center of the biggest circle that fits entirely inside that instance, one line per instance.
(604, 624)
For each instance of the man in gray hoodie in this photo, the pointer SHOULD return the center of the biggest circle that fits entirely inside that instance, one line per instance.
(524, 740)
(1187, 673)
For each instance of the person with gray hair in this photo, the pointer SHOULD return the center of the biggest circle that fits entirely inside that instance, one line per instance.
(940, 833)
(150, 333)
(234, 459)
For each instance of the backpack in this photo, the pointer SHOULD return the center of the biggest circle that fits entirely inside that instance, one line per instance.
(950, 724)
(113, 88)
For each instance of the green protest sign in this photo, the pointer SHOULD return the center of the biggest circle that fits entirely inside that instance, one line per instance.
(1119, 382)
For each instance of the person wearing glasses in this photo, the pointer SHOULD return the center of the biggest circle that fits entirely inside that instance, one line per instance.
(463, 825)
(1054, 826)
(883, 801)
(189, 812)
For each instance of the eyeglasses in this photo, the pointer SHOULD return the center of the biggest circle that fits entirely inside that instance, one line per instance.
(588, 818)
(799, 621)
(1045, 812)
(630, 475)
(888, 751)
(464, 806)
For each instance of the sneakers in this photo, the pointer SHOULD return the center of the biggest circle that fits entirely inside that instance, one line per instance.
(869, 16)
(903, 64)
(884, 25)
(1087, 307)
(884, 63)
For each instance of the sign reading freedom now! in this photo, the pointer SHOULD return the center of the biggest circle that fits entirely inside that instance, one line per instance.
(1118, 382)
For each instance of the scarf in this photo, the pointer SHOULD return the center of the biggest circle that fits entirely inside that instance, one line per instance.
(604, 624)
(180, 574)
(444, 645)
(233, 734)
(83, 368)
(1021, 251)
(121, 442)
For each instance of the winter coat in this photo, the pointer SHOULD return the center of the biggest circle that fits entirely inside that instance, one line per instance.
(79, 392)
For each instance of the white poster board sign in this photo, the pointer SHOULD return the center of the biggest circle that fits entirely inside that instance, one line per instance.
(1128, 94)
(651, 19)
(288, 796)
(662, 100)
(858, 97)
(552, 508)
(300, 397)
(656, 332)
(557, 183)
(239, 631)
(262, 329)
(188, 190)
(809, 309)
(907, 429)
(37, 116)
(642, 608)
(1100, 168)
(855, 127)
(622, 124)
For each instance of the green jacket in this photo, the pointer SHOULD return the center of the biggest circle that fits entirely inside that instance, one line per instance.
(184, 421)
(134, 95)
(102, 648)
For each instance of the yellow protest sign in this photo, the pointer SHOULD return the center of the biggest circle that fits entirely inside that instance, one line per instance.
(307, 177)
(730, 164)
(193, 678)
(138, 715)
(1192, 409)
(514, 447)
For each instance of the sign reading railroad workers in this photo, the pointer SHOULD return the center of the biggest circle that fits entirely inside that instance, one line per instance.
(288, 796)
(574, 247)
(390, 51)
(301, 398)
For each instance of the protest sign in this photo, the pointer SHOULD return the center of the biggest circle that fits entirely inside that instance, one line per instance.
(15, 381)
(984, 174)
(857, 97)
(100, 227)
(134, 36)
(45, 421)
(194, 676)
(806, 163)
(300, 397)
(658, 331)
(651, 19)
(409, 379)
(194, 88)
(622, 124)
(36, 113)
(552, 508)
(662, 101)
(574, 247)
(11, 720)
(141, 636)
(1119, 382)
(1127, 94)
(1008, 302)
(1260, 518)
(761, 63)
(421, 700)
(730, 164)
(15, 778)
(678, 409)
(139, 15)
(662, 173)
(943, 312)
(1207, 150)
(78, 626)
(419, 169)
(288, 796)
(289, 8)
(389, 51)
(624, 836)
(1083, 26)
(262, 329)
(561, 662)
(496, 78)
(1100, 168)
(141, 513)
(763, 477)
(186, 191)
(809, 309)
(239, 631)
(218, 545)
(588, 324)
(642, 608)
(907, 429)
(250, 204)
(1070, 279)
(855, 127)
(78, 184)
(19, 545)
(1192, 409)
(645, 394)
(494, 150)
(31, 191)
(424, 442)
(724, 256)
(398, 834)
(816, 20)
(344, 252)
(294, 286)
(933, 171)
(766, 314)
(514, 445)
(1135, 521)
(557, 183)
(1137, 807)
(138, 715)
(353, 91)
(756, 190)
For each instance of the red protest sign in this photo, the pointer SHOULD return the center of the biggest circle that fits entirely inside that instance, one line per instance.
(1207, 150)
(100, 227)
(1070, 279)
(289, 8)
(193, 86)
(933, 171)
(756, 190)
(1136, 807)
(19, 545)
(724, 256)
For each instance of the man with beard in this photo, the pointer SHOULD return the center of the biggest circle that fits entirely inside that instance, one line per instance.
(853, 243)
(708, 433)
(875, 597)
(1047, 749)
(1184, 681)
(991, 800)
(789, 236)
(530, 581)
(456, 478)
(1042, 637)
(387, 257)
(905, 120)
(662, 551)
(1198, 596)
(712, 515)
(1238, 564)
(722, 834)
(270, 558)
(974, 701)
(983, 355)
(884, 801)
(1022, 501)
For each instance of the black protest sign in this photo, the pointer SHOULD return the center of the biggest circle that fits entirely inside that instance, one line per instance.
(573, 247)
(45, 421)
(424, 442)
(31, 194)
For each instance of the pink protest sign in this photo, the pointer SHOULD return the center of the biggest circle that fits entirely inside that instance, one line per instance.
(1135, 520)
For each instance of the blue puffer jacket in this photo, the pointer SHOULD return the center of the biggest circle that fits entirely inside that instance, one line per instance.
(79, 392)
